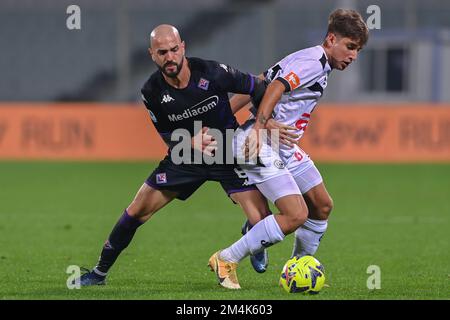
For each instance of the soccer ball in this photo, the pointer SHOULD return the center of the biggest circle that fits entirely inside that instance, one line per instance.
(305, 274)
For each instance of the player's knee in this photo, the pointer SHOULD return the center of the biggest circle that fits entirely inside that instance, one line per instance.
(300, 219)
(140, 210)
(297, 219)
(325, 208)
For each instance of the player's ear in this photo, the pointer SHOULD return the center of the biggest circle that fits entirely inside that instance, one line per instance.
(332, 39)
(150, 52)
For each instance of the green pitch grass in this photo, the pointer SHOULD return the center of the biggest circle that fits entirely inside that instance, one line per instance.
(53, 215)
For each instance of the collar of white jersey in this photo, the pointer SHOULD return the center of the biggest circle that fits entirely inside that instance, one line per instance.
(326, 65)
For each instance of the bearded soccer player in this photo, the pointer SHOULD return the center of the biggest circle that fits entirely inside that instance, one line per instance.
(182, 91)
(289, 177)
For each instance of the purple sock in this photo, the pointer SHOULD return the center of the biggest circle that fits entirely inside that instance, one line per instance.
(128, 221)
(118, 240)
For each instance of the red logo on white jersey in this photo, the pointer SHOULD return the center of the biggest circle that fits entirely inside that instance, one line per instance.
(301, 124)
(298, 155)
(293, 80)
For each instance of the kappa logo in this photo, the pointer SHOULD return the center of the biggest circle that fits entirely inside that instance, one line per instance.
(161, 178)
(167, 98)
(293, 80)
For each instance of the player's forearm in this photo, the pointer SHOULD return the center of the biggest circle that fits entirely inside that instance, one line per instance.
(271, 97)
(238, 101)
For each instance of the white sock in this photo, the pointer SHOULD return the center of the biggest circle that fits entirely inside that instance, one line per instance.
(263, 234)
(308, 236)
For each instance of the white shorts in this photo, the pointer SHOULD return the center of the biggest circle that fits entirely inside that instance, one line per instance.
(278, 187)
(304, 171)
(274, 177)
(267, 166)
(308, 179)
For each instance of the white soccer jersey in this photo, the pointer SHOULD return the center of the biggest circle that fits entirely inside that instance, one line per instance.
(304, 74)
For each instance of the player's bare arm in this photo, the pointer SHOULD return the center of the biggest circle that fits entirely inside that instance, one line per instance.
(286, 136)
(239, 101)
(271, 97)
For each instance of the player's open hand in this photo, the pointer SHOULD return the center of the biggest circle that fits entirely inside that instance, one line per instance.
(285, 134)
(204, 142)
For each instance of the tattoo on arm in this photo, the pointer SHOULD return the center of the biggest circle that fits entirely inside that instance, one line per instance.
(262, 119)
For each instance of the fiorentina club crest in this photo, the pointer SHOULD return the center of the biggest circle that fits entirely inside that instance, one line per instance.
(161, 178)
(203, 84)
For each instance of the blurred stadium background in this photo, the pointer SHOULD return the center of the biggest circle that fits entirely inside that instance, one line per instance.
(107, 59)
(75, 95)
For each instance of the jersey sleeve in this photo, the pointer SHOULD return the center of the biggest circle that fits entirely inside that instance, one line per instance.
(298, 73)
(158, 119)
(233, 80)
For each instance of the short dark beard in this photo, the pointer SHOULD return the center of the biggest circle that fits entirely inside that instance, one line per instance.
(172, 74)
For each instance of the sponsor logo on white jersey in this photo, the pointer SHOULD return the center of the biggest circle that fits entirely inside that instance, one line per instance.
(293, 80)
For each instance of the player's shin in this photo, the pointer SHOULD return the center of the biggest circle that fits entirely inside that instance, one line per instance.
(264, 234)
(118, 240)
(308, 236)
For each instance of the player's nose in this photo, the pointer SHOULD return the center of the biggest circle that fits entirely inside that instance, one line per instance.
(170, 56)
